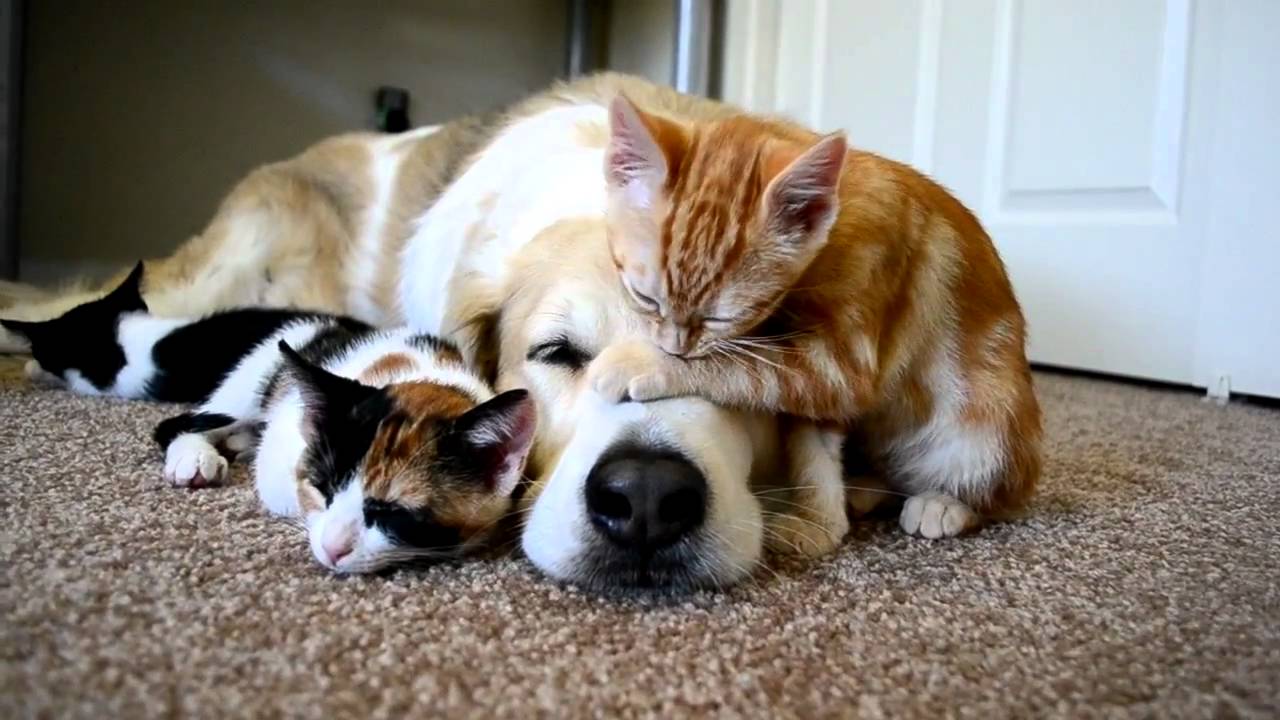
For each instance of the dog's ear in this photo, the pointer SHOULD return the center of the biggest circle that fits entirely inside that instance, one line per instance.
(127, 297)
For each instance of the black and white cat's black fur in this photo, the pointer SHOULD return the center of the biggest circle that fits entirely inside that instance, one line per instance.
(383, 441)
(113, 346)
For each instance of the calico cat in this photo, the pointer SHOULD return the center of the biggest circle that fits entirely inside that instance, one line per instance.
(784, 272)
(383, 442)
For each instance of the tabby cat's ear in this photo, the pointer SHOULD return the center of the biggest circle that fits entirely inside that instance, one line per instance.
(803, 199)
(641, 149)
(495, 437)
(324, 395)
(127, 297)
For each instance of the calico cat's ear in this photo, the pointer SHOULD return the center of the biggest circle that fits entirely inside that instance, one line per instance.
(641, 149)
(495, 438)
(323, 393)
(803, 199)
(127, 297)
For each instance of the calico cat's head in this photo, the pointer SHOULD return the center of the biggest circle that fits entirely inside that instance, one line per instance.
(711, 223)
(408, 471)
(82, 342)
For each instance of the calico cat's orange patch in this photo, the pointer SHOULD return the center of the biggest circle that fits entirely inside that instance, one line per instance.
(387, 367)
(430, 401)
(406, 439)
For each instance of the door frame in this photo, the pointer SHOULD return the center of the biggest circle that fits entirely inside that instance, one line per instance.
(12, 19)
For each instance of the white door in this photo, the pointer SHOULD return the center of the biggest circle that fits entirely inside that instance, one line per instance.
(1092, 137)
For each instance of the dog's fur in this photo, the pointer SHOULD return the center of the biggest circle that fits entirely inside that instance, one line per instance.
(493, 233)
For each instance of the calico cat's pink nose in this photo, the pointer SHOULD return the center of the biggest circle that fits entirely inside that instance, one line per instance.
(336, 548)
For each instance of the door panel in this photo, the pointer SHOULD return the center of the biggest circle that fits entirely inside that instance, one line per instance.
(1071, 127)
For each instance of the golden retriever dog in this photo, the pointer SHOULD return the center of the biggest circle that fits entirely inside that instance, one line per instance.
(491, 230)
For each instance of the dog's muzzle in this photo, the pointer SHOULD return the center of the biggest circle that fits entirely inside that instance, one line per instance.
(652, 495)
(646, 505)
(645, 499)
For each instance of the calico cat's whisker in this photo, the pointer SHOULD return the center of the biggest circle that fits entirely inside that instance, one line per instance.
(295, 524)
(418, 554)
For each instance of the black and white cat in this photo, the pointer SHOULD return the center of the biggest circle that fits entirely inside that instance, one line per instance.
(113, 346)
(385, 443)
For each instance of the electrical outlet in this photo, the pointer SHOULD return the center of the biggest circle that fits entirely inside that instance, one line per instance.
(392, 107)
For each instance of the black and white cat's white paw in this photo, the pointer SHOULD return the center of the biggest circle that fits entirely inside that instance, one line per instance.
(39, 376)
(11, 343)
(191, 461)
(934, 516)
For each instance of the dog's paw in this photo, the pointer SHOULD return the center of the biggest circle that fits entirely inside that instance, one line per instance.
(863, 494)
(192, 462)
(934, 516)
(631, 370)
(806, 536)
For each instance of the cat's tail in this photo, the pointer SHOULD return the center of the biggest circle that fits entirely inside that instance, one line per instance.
(16, 293)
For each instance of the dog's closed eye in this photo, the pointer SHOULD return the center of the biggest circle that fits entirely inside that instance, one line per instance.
(561, 352)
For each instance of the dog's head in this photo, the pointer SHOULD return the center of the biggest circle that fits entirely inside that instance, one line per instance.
(656, 494)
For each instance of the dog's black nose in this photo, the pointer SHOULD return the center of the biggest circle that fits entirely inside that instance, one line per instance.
(644, 499)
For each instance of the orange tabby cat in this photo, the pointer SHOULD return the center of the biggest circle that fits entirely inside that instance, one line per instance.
(784, 272)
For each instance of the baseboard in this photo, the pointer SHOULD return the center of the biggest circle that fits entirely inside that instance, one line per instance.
(1260, 400)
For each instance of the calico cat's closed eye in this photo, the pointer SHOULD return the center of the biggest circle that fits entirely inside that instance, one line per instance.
(413, 527)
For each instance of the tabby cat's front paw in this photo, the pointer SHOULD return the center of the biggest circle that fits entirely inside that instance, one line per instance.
(631, 370)
(935, 515)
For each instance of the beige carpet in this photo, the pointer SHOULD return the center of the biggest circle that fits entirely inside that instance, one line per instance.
(1147, 583)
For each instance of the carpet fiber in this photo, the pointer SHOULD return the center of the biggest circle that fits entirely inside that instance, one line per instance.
(1145, 583)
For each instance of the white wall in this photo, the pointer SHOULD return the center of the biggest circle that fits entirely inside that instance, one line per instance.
(642, 38)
